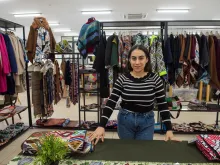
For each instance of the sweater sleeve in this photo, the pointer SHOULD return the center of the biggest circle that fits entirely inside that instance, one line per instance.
(112, 101)
(162, 104)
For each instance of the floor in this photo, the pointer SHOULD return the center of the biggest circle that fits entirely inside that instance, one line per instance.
(61, 111)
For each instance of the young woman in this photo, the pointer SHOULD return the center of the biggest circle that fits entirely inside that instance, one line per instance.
(139, 89)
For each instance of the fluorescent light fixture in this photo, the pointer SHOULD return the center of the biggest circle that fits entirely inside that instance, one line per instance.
(62, 30)
(54, 23)
(97, 12)
(172, 10)
(27, 15)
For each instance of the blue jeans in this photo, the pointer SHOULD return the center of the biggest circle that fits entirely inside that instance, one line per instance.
(133, 125)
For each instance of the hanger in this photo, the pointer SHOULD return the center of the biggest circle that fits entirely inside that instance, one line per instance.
(211, 33)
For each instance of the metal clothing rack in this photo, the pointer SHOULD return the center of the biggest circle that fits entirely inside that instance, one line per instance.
(164, 33)
(12, 26)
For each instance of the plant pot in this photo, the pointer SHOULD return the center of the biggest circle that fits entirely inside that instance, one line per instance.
(55, 163)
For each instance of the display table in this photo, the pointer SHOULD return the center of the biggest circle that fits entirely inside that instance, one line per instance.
(127, 152)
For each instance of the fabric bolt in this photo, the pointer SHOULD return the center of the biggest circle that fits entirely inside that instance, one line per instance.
(39, 22)
(6, 69)
(138, 126)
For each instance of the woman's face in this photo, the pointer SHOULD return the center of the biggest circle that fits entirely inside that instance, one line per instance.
(138, 60)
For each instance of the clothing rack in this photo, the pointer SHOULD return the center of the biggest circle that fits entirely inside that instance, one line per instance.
(12, 26)
(164, 26)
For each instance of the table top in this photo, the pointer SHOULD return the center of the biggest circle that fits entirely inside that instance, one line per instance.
(146, 151)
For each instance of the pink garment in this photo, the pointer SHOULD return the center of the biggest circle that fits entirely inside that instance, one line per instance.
(6, 68)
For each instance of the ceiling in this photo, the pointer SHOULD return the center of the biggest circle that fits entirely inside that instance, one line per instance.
(67, 12)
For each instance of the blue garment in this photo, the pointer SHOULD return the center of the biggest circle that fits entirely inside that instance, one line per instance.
(11, 54)
(133, 125)
(88, 37)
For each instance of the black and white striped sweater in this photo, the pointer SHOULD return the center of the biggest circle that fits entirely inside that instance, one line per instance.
(138, 95)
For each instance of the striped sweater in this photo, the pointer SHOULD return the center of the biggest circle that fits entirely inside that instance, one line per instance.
(138, 95)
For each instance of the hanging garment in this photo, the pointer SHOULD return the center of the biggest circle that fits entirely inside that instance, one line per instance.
(217, 50)
(193, 47)
(57, 83)
(88, 37)
(11, 54)
(183, 43)
(6, 69)
(204, 53)
(120, 49)
(212, 66)
(68, 78)
(156, 55)
(73, 89)
(114, 52)
(108, 51)
(63, 68)
(99, 66)
(37, 92)
(127, 47)
(43, 44)
(33, 35)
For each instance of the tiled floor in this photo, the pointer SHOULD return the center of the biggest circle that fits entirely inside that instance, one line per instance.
(62, 112)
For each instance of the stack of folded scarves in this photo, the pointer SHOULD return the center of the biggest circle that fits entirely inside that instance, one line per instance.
(78, 141)
(10, 132)
(209, 145)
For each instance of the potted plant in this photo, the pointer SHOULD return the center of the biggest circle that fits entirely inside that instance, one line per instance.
(52, 150)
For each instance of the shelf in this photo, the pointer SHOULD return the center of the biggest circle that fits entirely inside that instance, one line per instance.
(90, 91)
(87, 71)
(14, 138)
(18, 111)
(87, 110)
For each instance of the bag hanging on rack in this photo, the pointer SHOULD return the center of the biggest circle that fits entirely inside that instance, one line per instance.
(174, 104)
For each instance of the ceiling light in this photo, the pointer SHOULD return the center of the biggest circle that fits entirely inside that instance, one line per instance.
(62, 30)
(54, 24)
(97, 12)
(28, 15)
(172, 10)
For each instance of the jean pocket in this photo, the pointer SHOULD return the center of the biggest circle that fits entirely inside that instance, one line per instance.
(149, 118)
(122, 115)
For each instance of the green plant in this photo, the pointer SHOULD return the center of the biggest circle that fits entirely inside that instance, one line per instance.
(52, 149)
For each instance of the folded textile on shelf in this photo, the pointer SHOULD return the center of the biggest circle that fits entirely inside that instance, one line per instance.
(209, 145)
(78, 141)
(10, 132)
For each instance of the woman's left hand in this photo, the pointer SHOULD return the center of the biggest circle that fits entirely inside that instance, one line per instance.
(170, 136)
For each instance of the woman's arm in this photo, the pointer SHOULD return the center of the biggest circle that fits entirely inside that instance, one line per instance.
(112, 101)
(162, 104)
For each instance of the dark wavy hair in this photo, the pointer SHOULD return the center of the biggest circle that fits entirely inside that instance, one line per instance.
(148, 67)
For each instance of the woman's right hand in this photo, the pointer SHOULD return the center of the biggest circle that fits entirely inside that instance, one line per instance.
(98, 134)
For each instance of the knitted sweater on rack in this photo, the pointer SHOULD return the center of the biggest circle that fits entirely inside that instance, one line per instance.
(88, 37)
(138, 95)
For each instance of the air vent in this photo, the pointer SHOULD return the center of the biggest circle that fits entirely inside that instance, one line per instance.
(135, 16)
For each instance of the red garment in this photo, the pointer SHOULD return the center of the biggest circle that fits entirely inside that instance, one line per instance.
(90, 20)
(6, 68)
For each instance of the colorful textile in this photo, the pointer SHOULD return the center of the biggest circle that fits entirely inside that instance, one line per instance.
(77, 141)
(209, 145)
(127, 47)
(21, 160)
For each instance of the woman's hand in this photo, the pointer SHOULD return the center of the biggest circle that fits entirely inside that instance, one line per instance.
(99, 133)
(170, 136)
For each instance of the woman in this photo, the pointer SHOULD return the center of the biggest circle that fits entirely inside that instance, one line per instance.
(139, 89)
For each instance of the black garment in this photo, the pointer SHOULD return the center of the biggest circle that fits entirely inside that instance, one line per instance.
(108, 50)
(204, 53)
(99, 66)
(187, 48)
(10, 85)
(68, 77)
